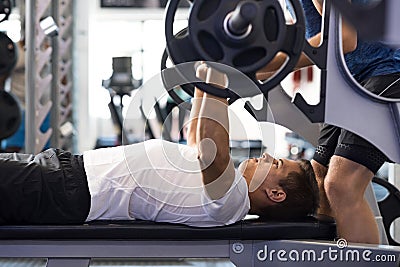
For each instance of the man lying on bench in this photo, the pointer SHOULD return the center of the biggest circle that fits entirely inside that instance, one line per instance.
(194, 184)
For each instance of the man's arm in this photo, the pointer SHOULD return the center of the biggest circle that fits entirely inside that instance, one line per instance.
(349, 34)
(197, 99)
(349, 43)
(212, 139)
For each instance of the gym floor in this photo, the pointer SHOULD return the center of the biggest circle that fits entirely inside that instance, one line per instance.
(125, 263)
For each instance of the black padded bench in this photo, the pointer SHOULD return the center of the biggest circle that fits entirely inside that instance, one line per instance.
(309, 228)
(75, 245)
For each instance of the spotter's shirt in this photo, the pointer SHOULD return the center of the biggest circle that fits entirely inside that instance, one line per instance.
(158, 181)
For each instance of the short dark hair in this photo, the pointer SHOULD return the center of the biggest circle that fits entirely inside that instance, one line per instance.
(302, 195)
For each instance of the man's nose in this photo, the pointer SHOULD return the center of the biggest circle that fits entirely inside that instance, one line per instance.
(267, 157)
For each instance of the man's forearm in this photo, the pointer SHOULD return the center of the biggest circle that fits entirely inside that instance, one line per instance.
(280, 59)
(213, 126)
(213, 145)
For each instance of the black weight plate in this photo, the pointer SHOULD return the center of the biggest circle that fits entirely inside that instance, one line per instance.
(188, 88)
(8, 54)
(181, 50)
(205, 41)
(209, 33)
(292, 47)
(10, 114)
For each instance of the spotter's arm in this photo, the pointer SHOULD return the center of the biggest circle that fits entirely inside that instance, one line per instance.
(349, 44)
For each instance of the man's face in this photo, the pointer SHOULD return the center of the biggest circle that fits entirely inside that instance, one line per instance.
(263, 175)
(255, 170)
(258, 170)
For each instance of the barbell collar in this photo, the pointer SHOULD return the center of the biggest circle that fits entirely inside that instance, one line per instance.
(239, 21)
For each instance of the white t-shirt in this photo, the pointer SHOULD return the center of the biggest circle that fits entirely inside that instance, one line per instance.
(158, 181)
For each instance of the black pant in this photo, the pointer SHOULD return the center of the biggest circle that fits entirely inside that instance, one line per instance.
(49, 188)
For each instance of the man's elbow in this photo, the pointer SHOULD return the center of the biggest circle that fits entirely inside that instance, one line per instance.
(218, 177)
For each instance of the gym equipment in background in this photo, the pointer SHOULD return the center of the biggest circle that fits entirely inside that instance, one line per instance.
(10, 110)
(120, 84)
(5, 10)
(9, 54)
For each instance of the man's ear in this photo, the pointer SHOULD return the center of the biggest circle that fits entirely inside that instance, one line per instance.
(276, 194)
